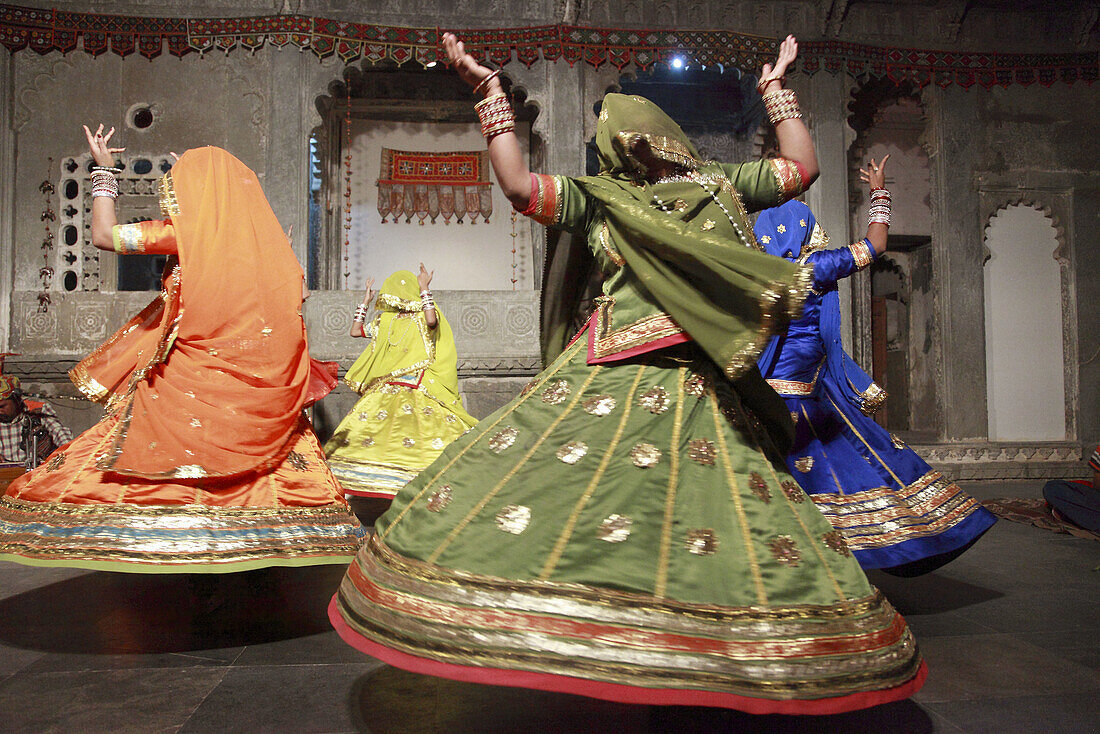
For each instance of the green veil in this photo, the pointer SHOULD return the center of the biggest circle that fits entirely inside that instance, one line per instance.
(729, 298)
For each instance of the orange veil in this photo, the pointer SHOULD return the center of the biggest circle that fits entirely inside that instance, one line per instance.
(210, 379)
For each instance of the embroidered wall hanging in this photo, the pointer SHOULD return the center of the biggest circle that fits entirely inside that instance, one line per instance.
(429, 184)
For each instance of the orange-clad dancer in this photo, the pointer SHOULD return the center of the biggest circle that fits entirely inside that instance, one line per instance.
(204, 461)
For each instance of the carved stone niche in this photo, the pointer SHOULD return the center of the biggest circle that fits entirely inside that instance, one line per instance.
(1056, 202)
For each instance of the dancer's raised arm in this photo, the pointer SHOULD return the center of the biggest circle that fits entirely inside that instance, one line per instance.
(878, 223)
(104, 187)
(791, 133)
(497, 120)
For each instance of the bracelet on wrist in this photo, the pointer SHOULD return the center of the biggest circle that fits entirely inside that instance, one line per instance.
(485, 82)
(781, 105)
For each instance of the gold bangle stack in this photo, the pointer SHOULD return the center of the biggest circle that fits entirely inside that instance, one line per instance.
(496, 116)
(781, 105)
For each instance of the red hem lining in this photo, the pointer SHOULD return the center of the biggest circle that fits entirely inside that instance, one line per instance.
(652, 346)
(616, 691)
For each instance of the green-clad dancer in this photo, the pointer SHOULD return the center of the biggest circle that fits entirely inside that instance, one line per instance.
(625, 528)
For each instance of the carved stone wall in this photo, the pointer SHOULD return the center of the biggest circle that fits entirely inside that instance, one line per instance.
(262, 106)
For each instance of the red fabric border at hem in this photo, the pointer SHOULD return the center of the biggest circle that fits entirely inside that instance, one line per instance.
(652, 346)
(616, 691)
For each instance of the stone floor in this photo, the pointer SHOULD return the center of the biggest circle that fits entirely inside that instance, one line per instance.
(1009, 632)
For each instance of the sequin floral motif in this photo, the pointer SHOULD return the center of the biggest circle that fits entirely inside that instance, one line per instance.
(439, 499)
(835, 541)
(759, 487)
(437, 443)
(408, 442)
(382, 415)
(784, 550)
(502, 439)
(645, 455)
(556, 392)
(572, 452)
(56, 461)
(793, 492)
(450, 418)
(427, 410)
(364, 416)
(614, 528)
(529, 387)
(599, 405)
(407, 409)
(655, 400)
(794, 417)
(514, 519)
(701, 451)
(898, 443)
(368, 442)
(696, 386)
(297, 461)
(804, 464)
(701, 542)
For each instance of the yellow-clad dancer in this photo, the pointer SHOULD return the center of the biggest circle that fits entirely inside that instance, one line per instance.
(410, 408)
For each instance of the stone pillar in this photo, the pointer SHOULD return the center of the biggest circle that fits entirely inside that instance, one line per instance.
(957, 260)
(558, 91)
(286, 167)
(823, 98)
(7, 195)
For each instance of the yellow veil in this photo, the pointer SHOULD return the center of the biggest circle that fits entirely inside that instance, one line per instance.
(405, 350)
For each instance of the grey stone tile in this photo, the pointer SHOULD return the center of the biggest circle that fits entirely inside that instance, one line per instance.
(14, 659)
(901, 717)
(282, 698)
(999, 665)
(394, 701)
(126, 614)
(1070, 713)
(118, 701)
(19, 578)
(1082, 648)
(320, 649)
(191, 659)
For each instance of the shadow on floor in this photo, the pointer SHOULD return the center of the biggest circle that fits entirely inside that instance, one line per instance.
(394, 701)
(931, 593)
(128, 613)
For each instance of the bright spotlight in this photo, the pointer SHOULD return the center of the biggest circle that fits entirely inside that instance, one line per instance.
(430, 64)
(677, 62)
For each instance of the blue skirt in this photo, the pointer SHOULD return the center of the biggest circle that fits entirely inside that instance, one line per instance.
(895, 511)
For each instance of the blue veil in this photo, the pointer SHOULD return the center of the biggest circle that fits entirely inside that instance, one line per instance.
(782, 233)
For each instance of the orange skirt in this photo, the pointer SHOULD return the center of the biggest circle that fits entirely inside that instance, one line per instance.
(68, 513)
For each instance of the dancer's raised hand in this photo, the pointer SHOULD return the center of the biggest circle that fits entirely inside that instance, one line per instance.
(368, 296)
(771, 74)
(875, 175)
(424, 277)
(97, 146)
(469, 70)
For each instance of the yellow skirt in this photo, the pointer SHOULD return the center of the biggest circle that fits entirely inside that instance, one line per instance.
(392, 433)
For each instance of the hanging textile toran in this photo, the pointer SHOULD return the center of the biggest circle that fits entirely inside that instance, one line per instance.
(429, 184)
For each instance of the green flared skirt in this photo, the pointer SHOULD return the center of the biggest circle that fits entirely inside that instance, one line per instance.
(626, 531)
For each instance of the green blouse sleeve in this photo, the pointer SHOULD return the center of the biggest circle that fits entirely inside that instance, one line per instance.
(764, 183)
(557, 201)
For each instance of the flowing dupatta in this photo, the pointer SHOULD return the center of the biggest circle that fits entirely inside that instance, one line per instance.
(729, 298)
(841, 375)
(210, 379)
(403, 345)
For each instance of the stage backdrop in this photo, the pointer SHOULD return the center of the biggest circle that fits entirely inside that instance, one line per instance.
(464, 256)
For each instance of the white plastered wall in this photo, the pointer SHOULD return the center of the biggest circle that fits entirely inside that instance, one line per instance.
(463, 256)
(1025, 381)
